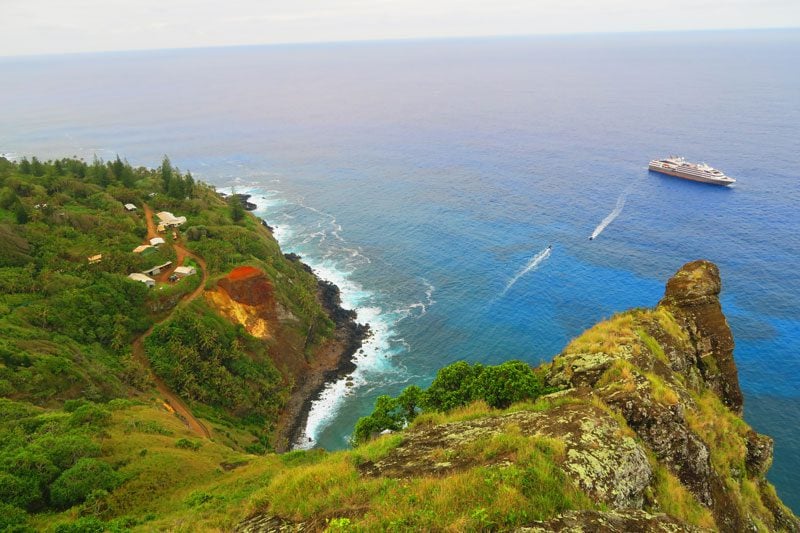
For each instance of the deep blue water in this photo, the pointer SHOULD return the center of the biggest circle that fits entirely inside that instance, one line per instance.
(424, 177)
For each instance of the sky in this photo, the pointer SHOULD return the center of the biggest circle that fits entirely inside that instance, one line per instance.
(66, 26)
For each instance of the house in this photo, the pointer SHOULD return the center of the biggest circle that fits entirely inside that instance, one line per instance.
(95, 258)
(142, 248)
(130, 207)
(156, 242)
(183, 271)
(168, 220)
(147, 280)
(156, 270)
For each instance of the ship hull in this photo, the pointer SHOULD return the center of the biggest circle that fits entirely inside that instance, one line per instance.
(692, 177)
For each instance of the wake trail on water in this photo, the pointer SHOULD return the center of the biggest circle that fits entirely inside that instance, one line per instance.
(533, 264)
(613, 214)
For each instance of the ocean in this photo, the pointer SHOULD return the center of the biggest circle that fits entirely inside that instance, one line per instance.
(428, 178)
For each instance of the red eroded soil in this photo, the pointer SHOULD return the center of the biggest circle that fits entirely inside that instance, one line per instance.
(243, 272)
(250, 286)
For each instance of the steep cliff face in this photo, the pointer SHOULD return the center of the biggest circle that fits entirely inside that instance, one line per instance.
(669, 372)
(645, 435)
(692, 296)
(245, 296)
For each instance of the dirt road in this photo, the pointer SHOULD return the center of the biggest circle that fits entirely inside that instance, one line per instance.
(170, 398)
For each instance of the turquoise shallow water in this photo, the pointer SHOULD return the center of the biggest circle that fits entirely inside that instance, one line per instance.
(426, 177)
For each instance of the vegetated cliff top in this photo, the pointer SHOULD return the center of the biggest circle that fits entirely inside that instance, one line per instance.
(645, 434)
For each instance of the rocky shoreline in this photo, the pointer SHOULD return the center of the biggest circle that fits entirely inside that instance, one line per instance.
(333, 361)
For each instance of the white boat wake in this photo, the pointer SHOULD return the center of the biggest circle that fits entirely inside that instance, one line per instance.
(613, 214)
(533, 264)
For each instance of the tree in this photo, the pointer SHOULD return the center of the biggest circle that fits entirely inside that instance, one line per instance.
(25, 166)
(166, 173)
(507, 383)
(236, 207)
(21, 213)
(452, 387)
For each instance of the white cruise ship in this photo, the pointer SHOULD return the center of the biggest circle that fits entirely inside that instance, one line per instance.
(679, 167)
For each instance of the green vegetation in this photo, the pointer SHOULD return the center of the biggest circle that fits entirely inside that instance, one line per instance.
(456, 385)
(206, 359)
(67, 323)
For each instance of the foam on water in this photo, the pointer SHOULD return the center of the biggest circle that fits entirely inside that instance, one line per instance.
(333, 259)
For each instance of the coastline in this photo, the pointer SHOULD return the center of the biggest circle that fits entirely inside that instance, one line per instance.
(332, 361)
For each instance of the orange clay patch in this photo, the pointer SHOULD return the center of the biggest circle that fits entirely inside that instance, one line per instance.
(244, 272)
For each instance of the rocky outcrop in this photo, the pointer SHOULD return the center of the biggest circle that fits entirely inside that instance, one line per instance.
(656, 368)
(622, 521)
(692, 296)
(599, 458)
(647, 427)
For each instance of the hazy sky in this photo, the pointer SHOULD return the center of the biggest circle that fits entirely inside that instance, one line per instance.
(56, 26)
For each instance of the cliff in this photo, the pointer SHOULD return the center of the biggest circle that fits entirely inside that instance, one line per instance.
(246, 296)
(644, 434)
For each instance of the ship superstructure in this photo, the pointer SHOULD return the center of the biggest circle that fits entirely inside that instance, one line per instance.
(680, 168)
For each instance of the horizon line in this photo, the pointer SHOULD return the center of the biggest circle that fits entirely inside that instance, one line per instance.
(394, 40)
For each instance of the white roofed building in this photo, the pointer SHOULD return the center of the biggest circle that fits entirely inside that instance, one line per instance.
(156, 241)
(130, 207)
(183, 271)
(147, 280)
(141, 248)
(169, 220)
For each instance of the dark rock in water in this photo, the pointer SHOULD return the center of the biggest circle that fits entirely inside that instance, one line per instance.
(297, 259)
(249, 206)
(264, 223)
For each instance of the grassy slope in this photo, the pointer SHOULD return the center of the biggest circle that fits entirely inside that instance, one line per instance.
(66, 326)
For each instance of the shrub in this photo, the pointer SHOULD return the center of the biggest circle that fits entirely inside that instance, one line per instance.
(187, 444)
(452, 387)
(13, 519)
(74, 485)
(86, 524)
(90, 415)
(504, 384)
(455, 386)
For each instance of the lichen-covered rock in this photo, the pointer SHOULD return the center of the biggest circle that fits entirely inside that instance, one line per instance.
(759, 453)
(623, 521)
(692, 296)
(264, 523)
(600, 458)
(666, 432)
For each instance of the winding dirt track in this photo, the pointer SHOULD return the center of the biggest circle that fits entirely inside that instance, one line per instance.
(170, 398)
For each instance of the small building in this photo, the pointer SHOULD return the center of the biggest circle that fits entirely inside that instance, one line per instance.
(168, 220)
(147, 280)
(156, 270)
(183, 271)
(156, 242)
(130, 207)
(142, 248)
(95, 258)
